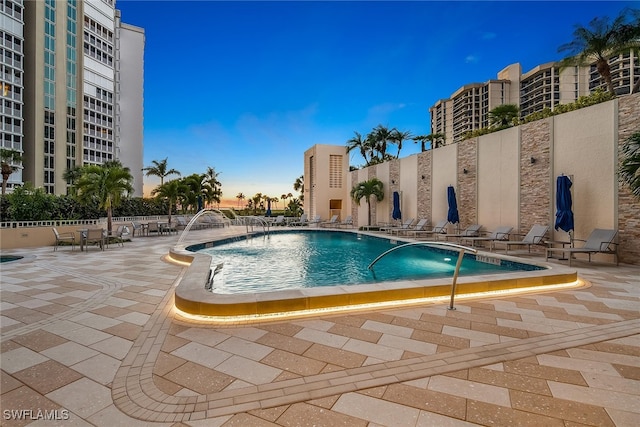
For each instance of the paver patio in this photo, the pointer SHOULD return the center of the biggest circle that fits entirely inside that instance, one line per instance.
(93, 337)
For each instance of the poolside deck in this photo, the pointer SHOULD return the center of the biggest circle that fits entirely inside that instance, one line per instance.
(93, 336)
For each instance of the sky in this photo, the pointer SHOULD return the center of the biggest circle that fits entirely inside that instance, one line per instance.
(247, 87)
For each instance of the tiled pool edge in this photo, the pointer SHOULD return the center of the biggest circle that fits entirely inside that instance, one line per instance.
(191, 298)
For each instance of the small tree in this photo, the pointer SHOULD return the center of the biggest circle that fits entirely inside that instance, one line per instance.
(503, 116)
(107, 184)
(172, 192)
(7, 159)
(630, 165)
(366, 189)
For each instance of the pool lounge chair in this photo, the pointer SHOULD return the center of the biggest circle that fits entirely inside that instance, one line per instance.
(420, 225)
(471, 231)
(331, 222)
(346, 223)
(439, 228)
(315, 221)
(63, 238)
(406, 225)
(600, 241)
(500, 233)
(301, 222)
(535, 236)
(279, 221)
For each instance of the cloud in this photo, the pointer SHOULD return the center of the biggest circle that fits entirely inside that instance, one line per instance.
(471, 59)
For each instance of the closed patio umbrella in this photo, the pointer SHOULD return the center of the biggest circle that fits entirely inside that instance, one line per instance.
(396, 214)
(564, 214)
(268, 213)
(452, 213)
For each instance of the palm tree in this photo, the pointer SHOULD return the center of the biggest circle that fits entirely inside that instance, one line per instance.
(397, 137)
(294, 208)
(360, 144)
(366, 189)
(240, 198)
(195, 190)
(601, 41)
(107, 183)
(72, 175)
(435, 139)
(630, 165)
(503, 115)
(172, 192)
(381, 136)
(159, 169)
(7, 159)
(298, 185)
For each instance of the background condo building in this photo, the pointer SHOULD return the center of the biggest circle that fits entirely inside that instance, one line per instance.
(63, 70)
(545, 86)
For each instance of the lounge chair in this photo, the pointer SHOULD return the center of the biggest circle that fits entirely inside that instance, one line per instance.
(501, 233)
(600, 241)
(420, 225)
(332, 221)
(404, 226)
(347, 222)
(302, 221)
(471, 231)
(63, 238)
(316, 220)
(535, 236)
(439, 228)
(279, 221)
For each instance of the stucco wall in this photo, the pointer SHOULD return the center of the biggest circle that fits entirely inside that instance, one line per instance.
(498, 179)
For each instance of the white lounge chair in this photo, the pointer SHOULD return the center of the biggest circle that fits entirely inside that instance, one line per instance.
(535, 236)
(600, 241)
(302, 221)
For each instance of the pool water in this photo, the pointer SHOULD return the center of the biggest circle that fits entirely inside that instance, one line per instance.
(9, 258)
(293, 260)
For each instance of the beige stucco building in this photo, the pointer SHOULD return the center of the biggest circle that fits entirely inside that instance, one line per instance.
(503, 178)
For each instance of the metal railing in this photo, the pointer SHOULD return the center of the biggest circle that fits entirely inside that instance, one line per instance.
(461, 251)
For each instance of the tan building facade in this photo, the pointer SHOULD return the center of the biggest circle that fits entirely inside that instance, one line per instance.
(509, 177)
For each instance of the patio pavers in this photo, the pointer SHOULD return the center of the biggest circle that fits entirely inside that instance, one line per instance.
(95, 333)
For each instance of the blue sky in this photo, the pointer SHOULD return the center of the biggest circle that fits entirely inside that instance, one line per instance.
(247, 87)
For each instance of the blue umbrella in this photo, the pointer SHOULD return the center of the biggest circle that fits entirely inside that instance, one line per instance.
(564, 214)
(452, 214)
(268, 213)
(396, 206)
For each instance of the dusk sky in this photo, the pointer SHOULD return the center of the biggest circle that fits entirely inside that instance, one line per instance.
(247, 87)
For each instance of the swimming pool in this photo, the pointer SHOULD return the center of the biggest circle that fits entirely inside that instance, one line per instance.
(316, 258)
(191, 298)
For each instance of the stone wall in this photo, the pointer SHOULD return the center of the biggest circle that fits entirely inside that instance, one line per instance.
(535, 173)
(424, 184)
(628, 204)
(467, 191)
(394, 182)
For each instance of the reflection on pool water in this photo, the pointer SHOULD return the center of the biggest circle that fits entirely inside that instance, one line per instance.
(313, 258)
(9, 258)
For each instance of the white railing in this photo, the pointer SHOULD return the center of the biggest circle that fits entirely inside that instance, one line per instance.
(50, 223)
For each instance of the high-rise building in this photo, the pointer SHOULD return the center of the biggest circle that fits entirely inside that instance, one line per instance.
(545, 86)
(72, 71)
(11, 80)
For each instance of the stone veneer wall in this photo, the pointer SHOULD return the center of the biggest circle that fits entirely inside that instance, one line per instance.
(628, 204)
(467, 190)
(394, 184)
(424, 185)
(535, 178)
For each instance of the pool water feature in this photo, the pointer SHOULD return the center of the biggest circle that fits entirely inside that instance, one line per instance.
(315, 258)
